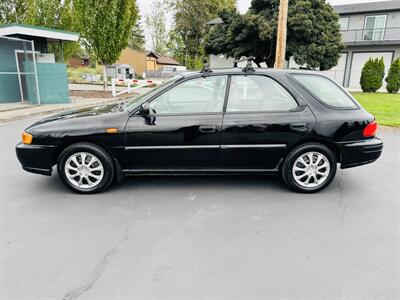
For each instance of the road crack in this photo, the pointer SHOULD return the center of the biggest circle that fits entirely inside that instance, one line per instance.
(98, 270)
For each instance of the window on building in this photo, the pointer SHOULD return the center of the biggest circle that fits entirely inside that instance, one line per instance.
(344, 23)
(374, 27)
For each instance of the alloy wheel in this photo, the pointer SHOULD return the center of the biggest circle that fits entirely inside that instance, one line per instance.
(84, 170)
(311, 169)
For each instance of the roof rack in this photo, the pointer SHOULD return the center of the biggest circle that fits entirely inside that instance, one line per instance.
(206, 68)
(248, 67)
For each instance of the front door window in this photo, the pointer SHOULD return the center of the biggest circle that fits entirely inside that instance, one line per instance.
(374, 28)
(199, 95)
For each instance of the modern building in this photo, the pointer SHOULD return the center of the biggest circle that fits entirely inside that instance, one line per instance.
(369, 30)
(28, 70)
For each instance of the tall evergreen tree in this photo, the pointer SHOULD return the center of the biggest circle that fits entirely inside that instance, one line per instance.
(106, 26)
(313, 34)
(156, 24)
(371, 76)
(190, 18)
(393, 78)
(137, 40)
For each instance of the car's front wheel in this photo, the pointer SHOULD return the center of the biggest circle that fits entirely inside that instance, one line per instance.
(85, 168)
(309, 168)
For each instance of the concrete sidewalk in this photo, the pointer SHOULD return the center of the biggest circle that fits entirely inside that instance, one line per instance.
(16, 111)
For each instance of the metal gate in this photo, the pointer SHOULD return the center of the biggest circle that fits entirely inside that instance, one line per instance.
(18, 72)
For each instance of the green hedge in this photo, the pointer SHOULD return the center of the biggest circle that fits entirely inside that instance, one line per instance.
(372, 75)
(393, 78)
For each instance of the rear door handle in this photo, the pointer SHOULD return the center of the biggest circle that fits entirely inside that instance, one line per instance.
(299, 126)
(208, 128)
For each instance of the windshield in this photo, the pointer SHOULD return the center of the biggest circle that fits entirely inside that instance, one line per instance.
(135, 102)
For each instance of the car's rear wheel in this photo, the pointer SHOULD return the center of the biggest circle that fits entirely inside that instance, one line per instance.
(85, 168)
(309, 168)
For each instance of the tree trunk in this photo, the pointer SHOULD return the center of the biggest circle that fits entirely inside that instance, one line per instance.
(104, 78)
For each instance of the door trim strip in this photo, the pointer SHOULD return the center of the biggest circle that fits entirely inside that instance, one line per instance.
(254, 146)
(239, 146)
(172, 147)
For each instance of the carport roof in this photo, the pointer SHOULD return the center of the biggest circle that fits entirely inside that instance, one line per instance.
(37, 31)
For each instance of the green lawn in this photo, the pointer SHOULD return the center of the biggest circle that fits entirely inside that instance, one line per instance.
(75, 74)
(385, 107)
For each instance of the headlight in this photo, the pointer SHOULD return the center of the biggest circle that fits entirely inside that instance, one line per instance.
(27, 138)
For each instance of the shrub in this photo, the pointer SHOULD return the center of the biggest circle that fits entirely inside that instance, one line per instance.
(393, 78)
(372, 74)
(381, 67)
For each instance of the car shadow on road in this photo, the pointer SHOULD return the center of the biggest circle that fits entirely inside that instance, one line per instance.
(272, 182)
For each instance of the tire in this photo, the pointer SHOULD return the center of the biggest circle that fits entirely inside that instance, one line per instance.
(86, 168)
(301, 176)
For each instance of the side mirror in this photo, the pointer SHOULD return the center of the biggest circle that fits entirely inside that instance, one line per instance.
(145, 109)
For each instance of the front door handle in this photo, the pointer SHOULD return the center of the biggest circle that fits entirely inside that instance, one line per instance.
(208, 128)
(299, 126)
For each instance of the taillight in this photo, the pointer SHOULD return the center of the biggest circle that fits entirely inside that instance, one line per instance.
(370, 129)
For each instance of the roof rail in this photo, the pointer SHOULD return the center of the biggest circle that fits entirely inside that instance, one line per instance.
(206, 68)
(248, 67)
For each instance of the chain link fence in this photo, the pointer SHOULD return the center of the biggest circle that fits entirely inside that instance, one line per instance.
(18, 72)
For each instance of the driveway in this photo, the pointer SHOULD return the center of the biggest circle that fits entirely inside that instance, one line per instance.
(200, 237)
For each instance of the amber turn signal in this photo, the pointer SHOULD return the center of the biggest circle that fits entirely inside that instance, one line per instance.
(111, 130)
(26, 138)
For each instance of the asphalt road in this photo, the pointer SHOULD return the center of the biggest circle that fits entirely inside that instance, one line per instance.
(192, 237)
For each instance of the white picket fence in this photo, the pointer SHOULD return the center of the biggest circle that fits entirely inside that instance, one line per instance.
(129, 82)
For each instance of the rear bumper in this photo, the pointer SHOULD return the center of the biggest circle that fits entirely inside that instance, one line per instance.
(357, 153)
(36, 158)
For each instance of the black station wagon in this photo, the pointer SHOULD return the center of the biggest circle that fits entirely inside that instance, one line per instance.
(297, 123)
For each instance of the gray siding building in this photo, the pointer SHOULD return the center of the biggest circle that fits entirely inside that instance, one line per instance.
(368, 30)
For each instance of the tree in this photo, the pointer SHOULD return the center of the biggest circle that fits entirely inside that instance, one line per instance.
(190, 18)
(156, 24)
(393, 78)
(371, 76)
(57, 14)
(136, 39)
(381, 67)
(313, 34)
(13, 11)
(176, 47)
(105, 26)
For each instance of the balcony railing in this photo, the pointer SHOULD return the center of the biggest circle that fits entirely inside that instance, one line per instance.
(373, 35)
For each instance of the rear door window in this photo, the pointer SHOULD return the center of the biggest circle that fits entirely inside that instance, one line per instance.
(254, 93)
(325, 90)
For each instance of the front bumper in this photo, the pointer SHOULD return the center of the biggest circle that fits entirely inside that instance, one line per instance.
(357, 153)
(36, 158)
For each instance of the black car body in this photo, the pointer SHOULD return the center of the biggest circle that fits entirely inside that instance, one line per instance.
(255, 121)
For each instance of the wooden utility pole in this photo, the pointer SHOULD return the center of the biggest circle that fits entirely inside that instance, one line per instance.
(281, 36)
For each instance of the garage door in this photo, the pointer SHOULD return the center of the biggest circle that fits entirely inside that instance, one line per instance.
(337, 72)
(358, 62)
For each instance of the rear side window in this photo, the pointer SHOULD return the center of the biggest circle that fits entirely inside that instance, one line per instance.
(254, 93)
(325, 90)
